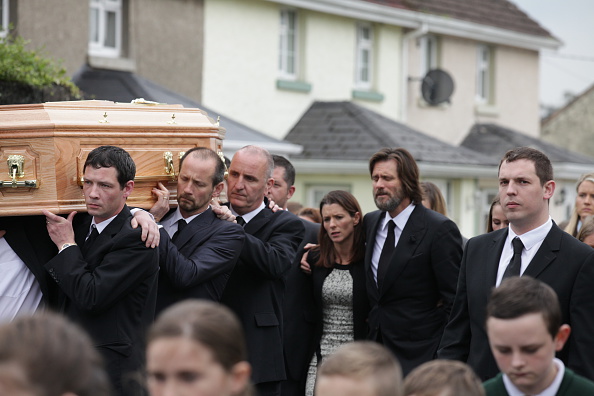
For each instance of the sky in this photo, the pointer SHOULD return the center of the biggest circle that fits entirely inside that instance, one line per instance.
(572, 22)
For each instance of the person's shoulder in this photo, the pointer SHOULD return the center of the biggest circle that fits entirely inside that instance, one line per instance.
(576, 384)
(495, 386)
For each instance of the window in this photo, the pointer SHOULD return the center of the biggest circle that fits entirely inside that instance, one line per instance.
(428, 51)
(105, 28)
(315, 192)
(364, 56)
(3, 18)
(287, 61)
(484, 74)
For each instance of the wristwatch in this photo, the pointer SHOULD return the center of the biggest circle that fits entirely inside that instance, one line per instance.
(64, 246)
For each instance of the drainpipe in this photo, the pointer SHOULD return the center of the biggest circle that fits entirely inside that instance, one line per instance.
(408, 37)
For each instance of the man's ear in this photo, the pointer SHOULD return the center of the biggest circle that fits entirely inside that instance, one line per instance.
(269, 184)
(549, 189)
(290, 192)
(562, 336)
(128, 187)
(217, 189)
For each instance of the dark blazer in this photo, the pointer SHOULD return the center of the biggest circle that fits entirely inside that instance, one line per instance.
(299, 319)
(409, 313)
(563, 262)
(111, 292)
(360, 300)
(256, 286)
(28, 237)
(571, 385)
(200, 261)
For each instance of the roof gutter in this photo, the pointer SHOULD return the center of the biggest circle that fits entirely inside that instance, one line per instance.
(406, 39)
(366, 11)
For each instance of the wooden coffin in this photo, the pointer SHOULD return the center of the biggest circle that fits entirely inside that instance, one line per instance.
(43, 148)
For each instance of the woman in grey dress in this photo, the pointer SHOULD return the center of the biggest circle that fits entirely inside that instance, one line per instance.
(338, 277)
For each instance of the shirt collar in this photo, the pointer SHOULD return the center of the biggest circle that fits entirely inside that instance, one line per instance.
(176, 216)
(101, 226)
(532, 237)
(250, 215)
(551, 390)
(400, 219)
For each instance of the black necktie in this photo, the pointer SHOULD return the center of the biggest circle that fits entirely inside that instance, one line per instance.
(240, 220)
(89, 241)
(181, 224)
(387, 250)
(515, 264)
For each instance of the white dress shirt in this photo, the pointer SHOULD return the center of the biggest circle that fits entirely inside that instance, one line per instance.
(382, 233)
(20, 293)
(170, 223)
(531, 240)
(248, 216)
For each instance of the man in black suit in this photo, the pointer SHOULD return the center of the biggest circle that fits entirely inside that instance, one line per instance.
(197, 257)
(412, 262)
(256, 286)
(298, 308)
(546, 253)
(107, 274)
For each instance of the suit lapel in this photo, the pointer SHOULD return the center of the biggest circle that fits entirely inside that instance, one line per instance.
(374, 220)
(546, 253)
(259, 221)
(492, 255)
(108, 233)
(410, 238)
(195, 226)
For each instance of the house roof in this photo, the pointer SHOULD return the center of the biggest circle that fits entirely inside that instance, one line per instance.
(498, 13)
(557, 113)
(493, 141)
(347, 131)
(123, 86)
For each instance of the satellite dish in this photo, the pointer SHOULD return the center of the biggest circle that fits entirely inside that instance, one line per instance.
(437, 87)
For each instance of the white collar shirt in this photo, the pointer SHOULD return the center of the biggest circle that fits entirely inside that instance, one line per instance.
(551, 390)
(382, 233)
(170, 223)
(250, 215)
(532, 241)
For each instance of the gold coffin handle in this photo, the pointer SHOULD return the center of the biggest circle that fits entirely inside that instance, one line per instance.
(16, 169)
(169, 171)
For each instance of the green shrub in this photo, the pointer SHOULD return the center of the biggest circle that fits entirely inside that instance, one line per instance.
(21, 66)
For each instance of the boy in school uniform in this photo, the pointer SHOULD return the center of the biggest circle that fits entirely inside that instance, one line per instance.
(525, 331)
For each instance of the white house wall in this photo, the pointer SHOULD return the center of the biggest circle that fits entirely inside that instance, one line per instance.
(515, 97)
(241, 57)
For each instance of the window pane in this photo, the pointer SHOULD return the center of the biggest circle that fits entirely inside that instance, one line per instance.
(110, 33)
(94, 25)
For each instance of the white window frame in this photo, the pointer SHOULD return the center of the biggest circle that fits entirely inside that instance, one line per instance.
(4, 19)
(103, 7)
(364, 71)
(428, 51)
(315, 192)
(288, 59)
(484, 74)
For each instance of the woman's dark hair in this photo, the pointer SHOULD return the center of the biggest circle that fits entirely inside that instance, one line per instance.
(327, 252)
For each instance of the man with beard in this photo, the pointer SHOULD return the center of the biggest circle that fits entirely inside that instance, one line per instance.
(198, 250)
(412, 262)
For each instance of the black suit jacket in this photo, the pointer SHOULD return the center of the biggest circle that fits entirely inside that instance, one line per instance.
(111, 292)
(256, 286)
(299, 318)
(200, 261)
(28, 237)
(409, 313)
(563, 262)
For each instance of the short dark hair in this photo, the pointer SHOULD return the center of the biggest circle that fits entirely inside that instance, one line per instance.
(112, 156)
(407, 170)
(205, 153)
(289, 176)
(519, 296)
(542, 164)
